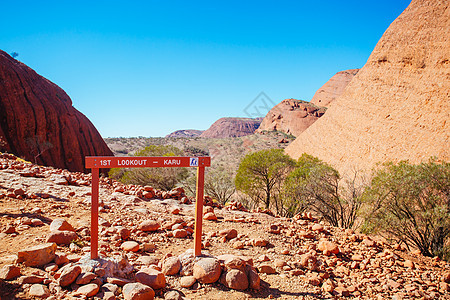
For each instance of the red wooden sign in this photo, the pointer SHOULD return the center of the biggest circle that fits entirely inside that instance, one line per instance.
(98, 162)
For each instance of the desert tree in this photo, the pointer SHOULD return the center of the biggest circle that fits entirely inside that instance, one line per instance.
(261, 175)
(412, 204)
(38, 145)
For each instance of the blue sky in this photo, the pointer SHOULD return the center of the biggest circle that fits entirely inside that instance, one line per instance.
(147, 68)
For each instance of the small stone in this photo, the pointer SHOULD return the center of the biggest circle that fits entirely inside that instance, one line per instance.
(266, 269)
(207, 270)
(328, 286)
(308, 261)
(130, 246)
(173, 295)
(85, 278)
(279, 263)
(88, 290)
(148, 247)
(137, 291)
(259, 242)
(38, 255)
(317, 227)
(328, 247)
(357, 257)
(60, 225)
(446, 277)
(30, 279)
(69, 275)
(228, 233)
(171, 265)
(10, 229)
(39, 291)
(180, 233)
(62, 237)
(175, 211)
(147, 260)
(232, 262)
(117, 281)
(37, 222)
(341, 291)
(210, 216)
(61, 258)
(285, 252)
(238, 245)
(369, 243)
(9, 272)
(187, 281)
(409, 264)
(149, 225)
(124, 233)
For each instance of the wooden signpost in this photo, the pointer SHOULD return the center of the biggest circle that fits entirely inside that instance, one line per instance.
(98, 162)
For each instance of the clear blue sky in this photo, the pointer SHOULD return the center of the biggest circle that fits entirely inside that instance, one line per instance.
(147, 68)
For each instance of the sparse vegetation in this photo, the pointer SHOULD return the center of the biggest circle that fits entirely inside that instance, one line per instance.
(316, 186)
(161, 178)
(219, 185)
(412, 204)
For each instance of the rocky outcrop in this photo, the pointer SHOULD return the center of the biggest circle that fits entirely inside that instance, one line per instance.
(39, 123)
(291, 116)
(397, 107)
(187, 133)
(333, 88)
(231, 127)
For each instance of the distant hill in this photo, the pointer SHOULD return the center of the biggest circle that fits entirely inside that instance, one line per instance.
(185, 133)
(398, 105)
(232, 127)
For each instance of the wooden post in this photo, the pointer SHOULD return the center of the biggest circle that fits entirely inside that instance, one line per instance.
(94, 213)
(199, 210)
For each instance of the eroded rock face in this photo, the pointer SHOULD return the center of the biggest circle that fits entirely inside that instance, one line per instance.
(232, 127)
(291, 116)
(397, 106)
(39, 123)
(333, 88)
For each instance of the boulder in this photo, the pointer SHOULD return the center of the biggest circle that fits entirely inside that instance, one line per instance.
(151, 277)
(236, 279)
(207, 270)
(149, 225)
(32, 107)
(69, 275)
(88, 290)
(130, 246)
(39, 291)
(137, 291)
(62, 237)
(171, 265)
(9, 272)
(38, 255)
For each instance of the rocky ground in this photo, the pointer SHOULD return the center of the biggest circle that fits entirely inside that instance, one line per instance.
(146, 240)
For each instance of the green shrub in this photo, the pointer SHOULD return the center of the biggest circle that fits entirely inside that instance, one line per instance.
(412, 203)
(261, 176)
(316, 186)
